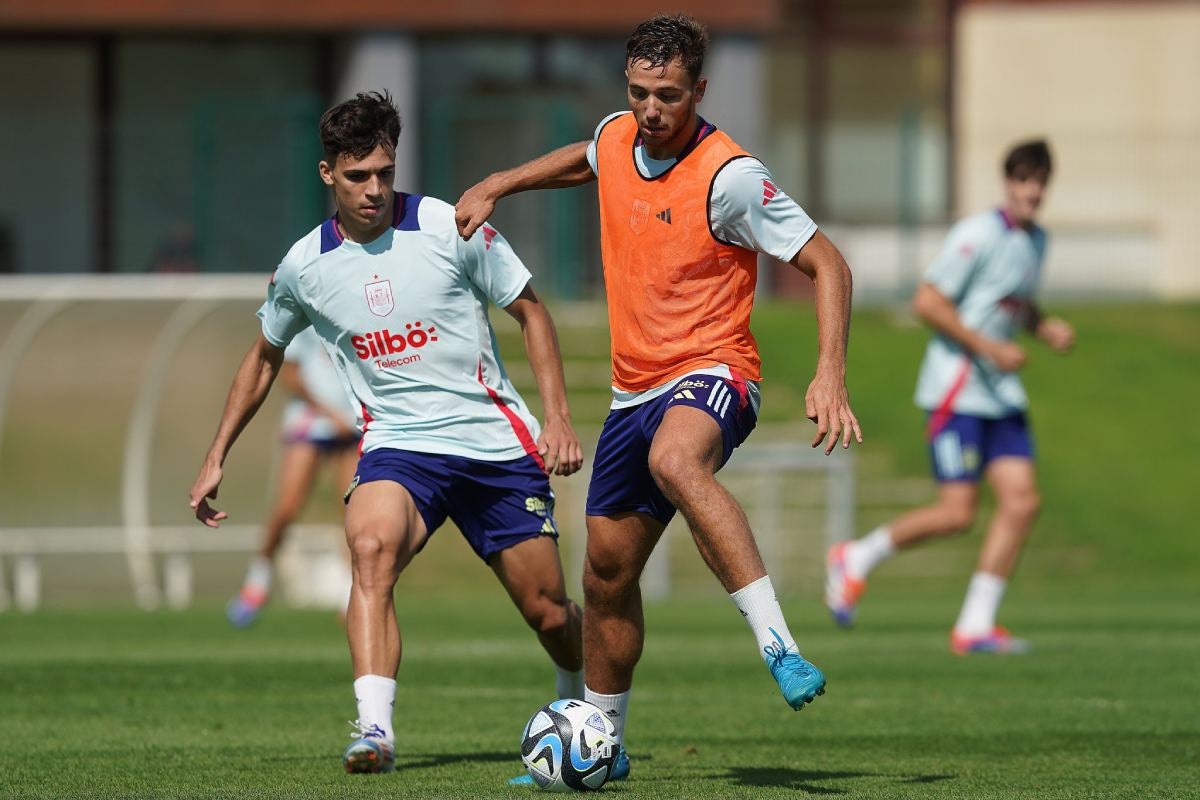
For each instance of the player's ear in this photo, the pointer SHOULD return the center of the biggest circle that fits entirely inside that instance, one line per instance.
(698, 89)
(326, 172)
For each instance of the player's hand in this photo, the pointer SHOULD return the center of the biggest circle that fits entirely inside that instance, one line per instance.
(559, 448)
(473, 209)
(203, 490)
(827, 403)
(1057, 333)
(1007, 356)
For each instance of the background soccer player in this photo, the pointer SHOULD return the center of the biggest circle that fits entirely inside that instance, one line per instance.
(684, 213)
(975, 297)
(400, 304)
(318, 425)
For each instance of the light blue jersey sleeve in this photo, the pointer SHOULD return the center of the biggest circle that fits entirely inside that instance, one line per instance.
(748, 209)
(491, 264)
(283, 314)
(961, 255)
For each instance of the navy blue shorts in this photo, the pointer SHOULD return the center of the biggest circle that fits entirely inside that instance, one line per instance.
(621, 479)
(963, 447)
(496, 504)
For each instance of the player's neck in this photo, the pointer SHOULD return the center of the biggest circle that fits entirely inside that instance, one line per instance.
(365, 234)
(1014, 220)
(677, 145)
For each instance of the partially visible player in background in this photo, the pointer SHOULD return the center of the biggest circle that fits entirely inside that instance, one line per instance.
(976, 297)
(400, 302)
(318, 426)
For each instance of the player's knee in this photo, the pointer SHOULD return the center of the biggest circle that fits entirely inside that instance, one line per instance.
(369, 553)
(958, 517)
(547, 616)
(604, 579)
(1025, 504)
(672, 470)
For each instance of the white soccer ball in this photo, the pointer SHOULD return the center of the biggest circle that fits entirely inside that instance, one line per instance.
(568, 745)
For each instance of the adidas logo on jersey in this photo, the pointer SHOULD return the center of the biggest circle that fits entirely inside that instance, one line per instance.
(664, 215)
(769, 191)
(386, 343)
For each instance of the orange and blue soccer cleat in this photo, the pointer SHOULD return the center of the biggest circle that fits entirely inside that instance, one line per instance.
(998, 642)
(841, 591)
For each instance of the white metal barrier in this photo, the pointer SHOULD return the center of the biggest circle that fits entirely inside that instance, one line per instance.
(141, 542)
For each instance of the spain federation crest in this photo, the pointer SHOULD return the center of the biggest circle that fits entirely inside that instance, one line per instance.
(379, 298)
(639, 216)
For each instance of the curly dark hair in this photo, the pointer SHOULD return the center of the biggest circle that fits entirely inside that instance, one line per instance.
(662, 39)
(1026, 158)
(356, 127)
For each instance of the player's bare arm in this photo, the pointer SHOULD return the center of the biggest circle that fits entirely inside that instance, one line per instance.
(827, 402)
(561, 168)
(558, 445)
(940, 313)
(250, 387)
(1058, 334)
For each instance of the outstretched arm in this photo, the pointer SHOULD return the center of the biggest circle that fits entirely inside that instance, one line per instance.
(250, 387)
(937, 311)
(827, 402)
(566, 166)
(558, 445)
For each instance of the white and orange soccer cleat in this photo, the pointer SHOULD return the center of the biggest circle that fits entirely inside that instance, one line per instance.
(998, 642)
(841, 591)
(370, 751)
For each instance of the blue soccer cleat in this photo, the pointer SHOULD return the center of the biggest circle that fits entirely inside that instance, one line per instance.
(620, 771)
(799, 681)
(370, 751)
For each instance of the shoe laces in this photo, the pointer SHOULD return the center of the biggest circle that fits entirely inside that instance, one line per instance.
(362, 731)
(777, 651)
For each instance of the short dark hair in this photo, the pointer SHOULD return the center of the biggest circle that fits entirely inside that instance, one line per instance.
(1026, 158)
(666, 37)
(356, 127)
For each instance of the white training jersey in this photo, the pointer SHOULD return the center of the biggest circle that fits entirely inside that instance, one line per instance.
(740, 213)
(323, 384)
(404, 319)
(990, 269)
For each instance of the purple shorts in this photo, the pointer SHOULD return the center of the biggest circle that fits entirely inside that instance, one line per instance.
(496, 504)
(963, 447)
(621, 479)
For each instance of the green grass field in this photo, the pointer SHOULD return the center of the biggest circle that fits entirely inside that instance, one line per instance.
(111, 703)
(124, 705)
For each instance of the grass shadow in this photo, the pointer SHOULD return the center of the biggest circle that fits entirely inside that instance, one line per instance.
(803, 780)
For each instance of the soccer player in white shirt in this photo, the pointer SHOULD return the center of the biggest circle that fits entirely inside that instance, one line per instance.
(319, 425)
(976, 297)
(399, 302)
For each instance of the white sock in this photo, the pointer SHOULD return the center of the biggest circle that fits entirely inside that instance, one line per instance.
(867, 553)
(569, 685)
(376, 696)
(978, 615)
(758, 605)
(616, 706)
(258, 576)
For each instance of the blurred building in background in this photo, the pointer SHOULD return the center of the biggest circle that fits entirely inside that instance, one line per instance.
(144, 136)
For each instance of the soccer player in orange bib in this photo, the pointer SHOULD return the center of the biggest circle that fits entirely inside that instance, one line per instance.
(684, 213)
